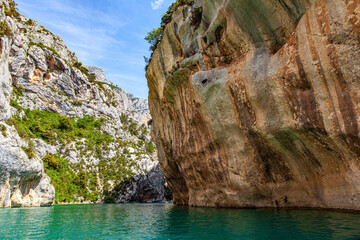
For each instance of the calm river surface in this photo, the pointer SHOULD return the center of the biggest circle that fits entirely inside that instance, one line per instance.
(166, 221)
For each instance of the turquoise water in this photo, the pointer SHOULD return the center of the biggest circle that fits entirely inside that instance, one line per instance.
(166, 221)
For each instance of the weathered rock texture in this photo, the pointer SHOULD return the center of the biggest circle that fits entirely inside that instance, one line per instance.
(38, 72)
(142, 188)
(22, 180)
(258, 106)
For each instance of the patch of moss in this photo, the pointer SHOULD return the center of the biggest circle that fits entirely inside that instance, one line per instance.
(177, 79)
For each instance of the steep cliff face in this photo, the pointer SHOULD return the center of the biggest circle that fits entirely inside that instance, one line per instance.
(63, 120)
(255, 103)
(22, 180)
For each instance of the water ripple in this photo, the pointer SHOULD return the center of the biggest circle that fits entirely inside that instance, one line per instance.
(166, 221)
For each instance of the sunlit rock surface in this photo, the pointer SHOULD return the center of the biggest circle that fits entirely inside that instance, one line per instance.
(258, 106)
(38, 72)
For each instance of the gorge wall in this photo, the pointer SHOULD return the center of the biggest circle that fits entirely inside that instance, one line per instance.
(255, 103)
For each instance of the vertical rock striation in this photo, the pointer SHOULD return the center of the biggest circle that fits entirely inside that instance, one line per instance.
(256, 104)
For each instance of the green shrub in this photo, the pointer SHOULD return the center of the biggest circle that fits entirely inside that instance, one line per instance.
(30, 152)
(85, 122)
(42, 46)
(129, 125)
(77, 103)
(15, 105)
(154, 37)
(29, 22)
(51, 162)
(109, 199)
(126, 151)
(48, 136)
(20, 90)
(24, 133)
(53, 51)
(3, 130)
(63, 179)
(5, 30)
(98, 123)
(68, 179)
(81, 180)
(12, 10)
(82, 69)
(150, 147)
(65, 124)
(92, 77)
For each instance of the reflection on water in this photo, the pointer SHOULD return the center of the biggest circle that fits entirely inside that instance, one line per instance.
(166, 221)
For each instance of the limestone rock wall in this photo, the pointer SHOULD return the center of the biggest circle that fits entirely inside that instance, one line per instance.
(5, 78)
(258, 104)
(22, 180)
(142, 188)
(38, 72)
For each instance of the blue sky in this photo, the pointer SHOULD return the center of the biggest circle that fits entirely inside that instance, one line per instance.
(105, 33)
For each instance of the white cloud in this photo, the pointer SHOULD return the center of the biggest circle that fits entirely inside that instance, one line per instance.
(126, 77)
(157, 4)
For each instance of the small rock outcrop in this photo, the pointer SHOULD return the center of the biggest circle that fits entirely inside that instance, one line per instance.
(67, 134)
(255, 103)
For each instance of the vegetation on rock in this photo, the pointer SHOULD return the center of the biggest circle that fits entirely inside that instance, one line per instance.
(70, 120)
(83, 135)
(51, 161)
(82, 69)
(5, 30)
(154, 37)
(3, 130)
(12, 10)
(29, 150)
(42, 46)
